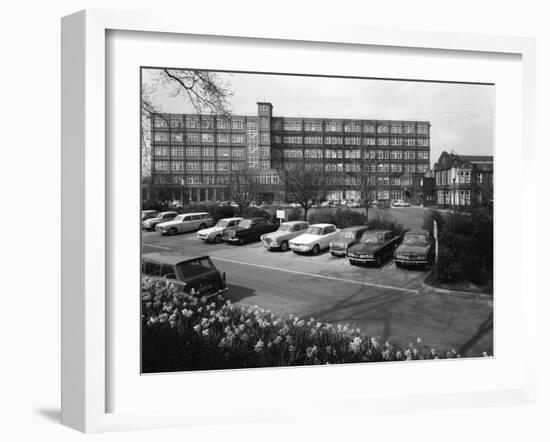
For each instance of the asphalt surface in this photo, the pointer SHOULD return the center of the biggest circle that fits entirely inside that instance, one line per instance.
(386, 302)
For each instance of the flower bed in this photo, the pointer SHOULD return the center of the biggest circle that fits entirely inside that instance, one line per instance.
(181, 332)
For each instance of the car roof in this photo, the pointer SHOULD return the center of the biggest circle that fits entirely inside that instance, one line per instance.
(172, 258)
(171, 211)
(196, 213)
(322, 225)
(294, 222)
(148, 211)
(232, 218)
(354, 228)
(417, 232)
(378, 231)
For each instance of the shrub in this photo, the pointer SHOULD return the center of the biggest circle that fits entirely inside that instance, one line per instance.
(382, 219)
(295, 214)
(222, 212)
(252, 212)
(341, 218)
(182, 332)
(465, 246)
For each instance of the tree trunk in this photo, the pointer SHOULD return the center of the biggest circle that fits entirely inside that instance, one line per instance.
(305, 213)
(367, 213)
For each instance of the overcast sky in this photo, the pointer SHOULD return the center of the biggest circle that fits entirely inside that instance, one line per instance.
(461, 115)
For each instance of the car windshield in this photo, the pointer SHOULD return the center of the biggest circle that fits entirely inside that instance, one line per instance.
(314, 230)
(415, 240)
(246, 223)
(197, 267)
(346, 235)
(178, 218)
(372, 238)
(285, 228)
(222, 223)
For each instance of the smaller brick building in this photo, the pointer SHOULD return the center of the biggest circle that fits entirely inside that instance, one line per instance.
(463, 180)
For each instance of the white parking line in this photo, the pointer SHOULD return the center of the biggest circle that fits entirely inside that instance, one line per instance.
(154, 245)
(332, 278)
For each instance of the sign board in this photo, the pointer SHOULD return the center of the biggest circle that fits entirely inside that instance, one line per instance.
(281, 214)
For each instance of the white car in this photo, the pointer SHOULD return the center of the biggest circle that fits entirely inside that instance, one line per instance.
(317, 237)
(186, 222)
(215, 234)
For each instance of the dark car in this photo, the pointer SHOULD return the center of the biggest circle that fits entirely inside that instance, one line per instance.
(250, 229)
(197, 273)
(345, 239)
(375, 246)
(417, 249)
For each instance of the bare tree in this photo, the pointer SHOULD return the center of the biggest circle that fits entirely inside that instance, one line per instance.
(243, 188)
(362, 173)
(204, 90)
(305, 183)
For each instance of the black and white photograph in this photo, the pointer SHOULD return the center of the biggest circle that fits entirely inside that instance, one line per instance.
(296, 220)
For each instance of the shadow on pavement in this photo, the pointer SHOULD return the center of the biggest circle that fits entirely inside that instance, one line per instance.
(235, 293)
(485, 327)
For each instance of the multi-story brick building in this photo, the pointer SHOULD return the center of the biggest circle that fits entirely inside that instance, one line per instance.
(463, 180)
(196, 154)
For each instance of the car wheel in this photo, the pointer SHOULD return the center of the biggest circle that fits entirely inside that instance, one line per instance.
(378, 261)
(315, 250)
(202, 226)
(398, 264)
(241, 241)
(353, 263)
(284, 246)
(173, 231)
(218, 239)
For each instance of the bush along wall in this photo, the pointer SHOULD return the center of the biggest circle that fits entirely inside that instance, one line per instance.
(181, 332)
(465, 246)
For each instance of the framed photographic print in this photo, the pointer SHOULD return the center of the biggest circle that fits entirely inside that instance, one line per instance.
(253, 213)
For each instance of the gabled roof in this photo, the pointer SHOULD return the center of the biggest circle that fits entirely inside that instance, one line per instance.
(448, 160)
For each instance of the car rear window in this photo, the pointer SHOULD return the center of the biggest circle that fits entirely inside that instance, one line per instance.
(191, 269)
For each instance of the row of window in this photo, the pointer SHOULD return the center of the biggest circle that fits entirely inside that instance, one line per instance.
(372, 181)
(457, 197)
(457, 176)
(352, 126)
(356, 153)
(206, 166)
(195, 137)
(370, 168)
(196, 151)
(352, 141)
(262, 178)
(206, 122)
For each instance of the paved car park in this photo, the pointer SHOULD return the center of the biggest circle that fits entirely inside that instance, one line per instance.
(388, 301)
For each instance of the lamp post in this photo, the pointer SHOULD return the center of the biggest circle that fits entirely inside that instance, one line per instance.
(182, 190)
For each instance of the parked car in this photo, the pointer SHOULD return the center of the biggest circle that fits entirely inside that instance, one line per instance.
(317, 237)
(197, 273)
(375, 246)
(400, 203)
(151, 223)
(250, 229)
(417, 248)
(280, 238)
(215, 233)
(186, 222)
(345, 239)
(148, 214)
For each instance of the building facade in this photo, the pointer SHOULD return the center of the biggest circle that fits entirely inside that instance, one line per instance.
(194, 155)
(463, 180)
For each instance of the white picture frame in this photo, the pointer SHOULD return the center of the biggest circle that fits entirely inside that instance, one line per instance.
(85, 260)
